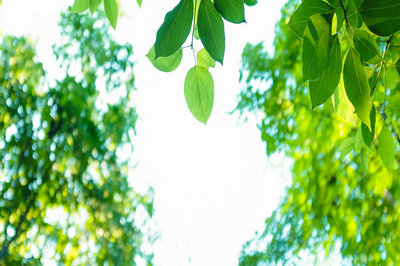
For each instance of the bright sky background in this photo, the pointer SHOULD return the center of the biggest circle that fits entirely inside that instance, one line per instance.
(214, 185)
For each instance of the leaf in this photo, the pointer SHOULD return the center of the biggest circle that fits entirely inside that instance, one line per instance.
(364, 161)
(368, 135)
(356, 86)
(397, 65)
(323, 88)
(199, 93)
(111, 8)
(231, 10)
(211, 30)
(250, 2)
(139, 2)
(381, 17)
(386, 148)
(367, 47)
(342, 104)
(298, 21)
(175, 29)
(345, 147)
(204, 59)
(166, 64)
(317, 45)
(93, 5)
(80, 6)
(358, 142)
(394, 104)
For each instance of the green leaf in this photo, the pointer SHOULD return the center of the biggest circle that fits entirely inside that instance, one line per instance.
(166, 64)
(323, 88)
(250, 2)
(366, 45)
(356, 86)
(386, 148)
(175, 29)
(368, 135)
(397, 65)
(111, 8)
(93, 5)
(317, 46)
(199, 93)
(381, 17)
(358, 142)
(204, 59)
(139, 2)
(394, 104)
(298, 21)
(342, 104)
(345, 147)
(80, 6)
(231, 10)
(211, 30)
(364, 161)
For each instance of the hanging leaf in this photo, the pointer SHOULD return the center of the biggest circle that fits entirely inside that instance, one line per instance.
(367, 47)
(211, 30)
(345, 147)
(199, 93)
(231, 10)
(111, 8)
(386, 148)
(342, 104)
(382, 17)
(356, 86)
(364, 161)
(139, 2)
(166, 64)
(317, 46)
(397, 65)
(204, 59)
(358, 142)
(298, 21)
(323, 88)
(175, 29)
(93, 5)
(250, 2)
(368, 135)
(80, 6)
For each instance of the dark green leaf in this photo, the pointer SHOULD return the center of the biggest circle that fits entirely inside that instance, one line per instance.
(175, 29)
(366, 45)
(199, 93)
(93, 4)
(386, 148)
(382, 17)
(298, 21)
(397, 65)
(211, 30)
(80, 6)
(166, 64)
(111, 8)
(317, 46)
(323, 88)
(357, 87)
(368, 135)
(250, 2)
(231, 10)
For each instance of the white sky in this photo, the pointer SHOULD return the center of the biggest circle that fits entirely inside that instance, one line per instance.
(214, 185)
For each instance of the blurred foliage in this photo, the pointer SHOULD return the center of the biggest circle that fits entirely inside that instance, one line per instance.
(64, 192)
(339, 196)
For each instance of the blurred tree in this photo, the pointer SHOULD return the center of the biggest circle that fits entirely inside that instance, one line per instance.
(341, 194)
(64, 190)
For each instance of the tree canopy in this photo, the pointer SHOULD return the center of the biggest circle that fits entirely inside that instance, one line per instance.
(64, 192)
(334, 109)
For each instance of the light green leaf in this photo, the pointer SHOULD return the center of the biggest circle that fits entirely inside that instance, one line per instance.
(111, 8)
(323, 88)
(80, 6)
(199, 93)
(211, 30)
(317, 46)
(357, 87)
(345, 147)
(93, 5)
(175, 29)
(358, 142)
(364, 161)
(386, 148)
(204, 59)
(382, 17)
(394, 104)
(250, 2)
(139, 2)
(366, 45)
(368, 135)
(342, 104)
(231, 10)
(166, 64)
(298, 21)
